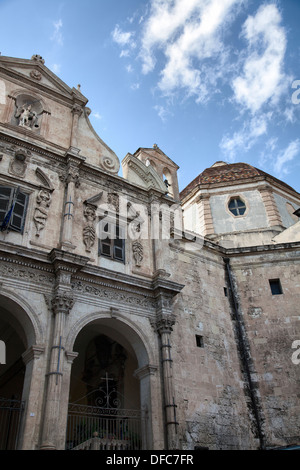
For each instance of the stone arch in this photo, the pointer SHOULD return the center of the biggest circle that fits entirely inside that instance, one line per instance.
(137, 379)
(23, 318)
(19, 377)
(136, 339)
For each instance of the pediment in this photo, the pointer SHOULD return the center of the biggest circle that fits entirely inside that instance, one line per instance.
(35, 73)
(138, 173)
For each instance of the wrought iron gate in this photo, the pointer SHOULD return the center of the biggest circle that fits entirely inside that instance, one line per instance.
(104, 425)
(10, 419)
(95, 428)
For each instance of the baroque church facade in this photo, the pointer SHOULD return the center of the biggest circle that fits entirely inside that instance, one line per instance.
(132, 315)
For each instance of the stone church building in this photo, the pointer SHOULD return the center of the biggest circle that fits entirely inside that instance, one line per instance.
(132, 315)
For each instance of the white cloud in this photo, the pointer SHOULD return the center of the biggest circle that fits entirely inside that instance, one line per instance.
(162, 112)
(263, 79)
(286, 156)
(123, 38)
(97, 115)
(57, 33)
(56, 68)
(129, 68)
(188, 33)
(244, 139)
(135, 86)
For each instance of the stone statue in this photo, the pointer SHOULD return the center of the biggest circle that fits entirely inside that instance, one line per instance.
(27, 117)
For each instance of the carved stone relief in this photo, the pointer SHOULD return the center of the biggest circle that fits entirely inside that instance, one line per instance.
(40, 216)
(18, 164)
(43, 201)
(138, 253)
(113, 199)
(89, 232)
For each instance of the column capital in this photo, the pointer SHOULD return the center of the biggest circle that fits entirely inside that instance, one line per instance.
(62, 302)
(164, 323)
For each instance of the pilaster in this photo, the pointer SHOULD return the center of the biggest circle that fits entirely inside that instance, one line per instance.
(205, 216)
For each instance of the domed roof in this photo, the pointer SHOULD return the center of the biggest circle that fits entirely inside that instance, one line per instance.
(222, 173)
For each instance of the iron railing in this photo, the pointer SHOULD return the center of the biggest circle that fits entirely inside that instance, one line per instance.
(96, 428)
(10, 418)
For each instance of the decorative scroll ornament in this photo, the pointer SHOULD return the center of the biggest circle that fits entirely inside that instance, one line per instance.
(138, 253)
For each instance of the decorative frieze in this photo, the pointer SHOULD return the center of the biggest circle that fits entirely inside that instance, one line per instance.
(8, 270)
(114, 295)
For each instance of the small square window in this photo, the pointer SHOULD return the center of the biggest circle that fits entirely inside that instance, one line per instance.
(275, 285)
(199, 341)
(225, 291)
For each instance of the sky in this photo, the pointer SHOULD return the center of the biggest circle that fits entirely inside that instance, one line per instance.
(205, 80)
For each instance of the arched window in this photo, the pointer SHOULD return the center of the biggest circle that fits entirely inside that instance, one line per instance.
(237, 206)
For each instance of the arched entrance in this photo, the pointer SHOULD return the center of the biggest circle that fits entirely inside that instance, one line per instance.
(17, 334)
(105, 410)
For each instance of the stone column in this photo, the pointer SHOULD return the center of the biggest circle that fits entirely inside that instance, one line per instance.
(71, 180)
(164, 326)
(76, 112)
(62, 303)
(33, 384)
(145, 375)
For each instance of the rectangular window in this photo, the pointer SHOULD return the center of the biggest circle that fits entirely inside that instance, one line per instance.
(275, 286)
(199, 341)
(13, 206)
(112, 243)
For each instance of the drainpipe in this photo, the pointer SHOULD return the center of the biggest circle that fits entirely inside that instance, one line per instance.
(244, 355)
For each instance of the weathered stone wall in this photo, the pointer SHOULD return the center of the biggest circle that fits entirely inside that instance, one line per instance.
(272, 323)
(212, 406)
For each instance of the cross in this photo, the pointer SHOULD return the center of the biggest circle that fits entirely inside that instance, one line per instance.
(106, 378)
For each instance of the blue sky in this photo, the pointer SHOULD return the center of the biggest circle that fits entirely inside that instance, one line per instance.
(205, 80)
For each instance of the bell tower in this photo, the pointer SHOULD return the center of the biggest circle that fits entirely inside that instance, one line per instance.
(164, 167)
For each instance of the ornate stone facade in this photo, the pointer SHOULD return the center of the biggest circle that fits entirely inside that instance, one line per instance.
(188, 320)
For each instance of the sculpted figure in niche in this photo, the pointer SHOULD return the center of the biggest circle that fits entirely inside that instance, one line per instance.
(27, 117)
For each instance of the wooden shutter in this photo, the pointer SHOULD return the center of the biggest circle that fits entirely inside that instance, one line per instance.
(119, 245)
(19, 213)
(5, 199)
(8, 196)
